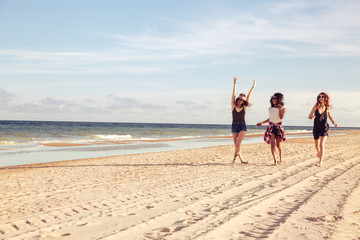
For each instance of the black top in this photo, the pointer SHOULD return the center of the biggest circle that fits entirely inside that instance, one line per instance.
(320, 122)
(238, 116)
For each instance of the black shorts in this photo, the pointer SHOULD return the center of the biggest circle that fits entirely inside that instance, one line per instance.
(237, 127)
(275, 131)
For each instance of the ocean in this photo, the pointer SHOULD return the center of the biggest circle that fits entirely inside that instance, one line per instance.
(26, 142)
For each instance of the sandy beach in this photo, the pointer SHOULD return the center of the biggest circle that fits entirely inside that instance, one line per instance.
(189, 194)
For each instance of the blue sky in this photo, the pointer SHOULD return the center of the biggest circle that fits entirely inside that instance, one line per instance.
(174, 61)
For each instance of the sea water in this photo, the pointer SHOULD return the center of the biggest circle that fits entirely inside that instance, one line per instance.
(26, 142)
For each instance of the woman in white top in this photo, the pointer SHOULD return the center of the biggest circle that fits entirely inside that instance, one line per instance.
(275, 133)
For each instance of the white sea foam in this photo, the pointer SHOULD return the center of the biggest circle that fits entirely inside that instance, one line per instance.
(4, 143)
(299, 131)
(188, 137)
(114, 137)
(147, 139)
(47, 141)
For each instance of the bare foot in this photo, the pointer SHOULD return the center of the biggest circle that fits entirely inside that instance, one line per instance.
(241, 159)
(233, 161)
(319, 164)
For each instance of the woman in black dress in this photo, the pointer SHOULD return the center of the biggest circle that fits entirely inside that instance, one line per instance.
(319, 113)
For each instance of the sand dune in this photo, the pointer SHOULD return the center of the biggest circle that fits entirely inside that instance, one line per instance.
(189, 194)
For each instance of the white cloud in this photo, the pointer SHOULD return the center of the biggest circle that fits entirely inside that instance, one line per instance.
(181, 107)
(293, 29)
(5, 97)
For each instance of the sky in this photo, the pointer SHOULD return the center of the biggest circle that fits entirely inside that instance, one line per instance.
(164, 61)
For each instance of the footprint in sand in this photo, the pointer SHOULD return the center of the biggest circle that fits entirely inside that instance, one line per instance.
(189, 213)
(81, 224)
(215, 209)
(178, 228)
(271, 213)
(158, 233)
(327, 218)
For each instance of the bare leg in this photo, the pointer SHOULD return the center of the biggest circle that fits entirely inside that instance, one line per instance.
(238, 144)
(278, 144)
(322, 149)
(317, 147)
(235, 137)
(273, 148)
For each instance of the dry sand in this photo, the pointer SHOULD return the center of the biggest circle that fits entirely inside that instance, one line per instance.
(189, 194)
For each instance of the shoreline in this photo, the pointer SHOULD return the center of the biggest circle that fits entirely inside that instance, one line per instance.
(42, 164)
(65, 144)
(58, 152)
(170, 139)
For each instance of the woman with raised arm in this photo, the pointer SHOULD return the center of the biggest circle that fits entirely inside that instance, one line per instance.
(238, 128)
(275, 133)
(319, 113)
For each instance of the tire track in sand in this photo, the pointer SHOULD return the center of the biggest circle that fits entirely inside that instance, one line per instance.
(197, 219)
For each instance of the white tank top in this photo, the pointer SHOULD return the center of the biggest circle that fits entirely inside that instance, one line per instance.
(274, 115)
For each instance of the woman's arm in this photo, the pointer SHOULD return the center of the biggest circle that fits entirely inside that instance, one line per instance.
(250, 92)
(311, 115)
(233, 94)
(263, 122)
(331, 118)
(282, 112)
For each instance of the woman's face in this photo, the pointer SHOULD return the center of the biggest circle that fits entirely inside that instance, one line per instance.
(239, 102)
(321, 98)
(274, 100)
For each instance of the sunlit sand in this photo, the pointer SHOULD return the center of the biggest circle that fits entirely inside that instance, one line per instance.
(189, 194)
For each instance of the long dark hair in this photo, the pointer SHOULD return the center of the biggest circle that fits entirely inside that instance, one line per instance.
(280, 99)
